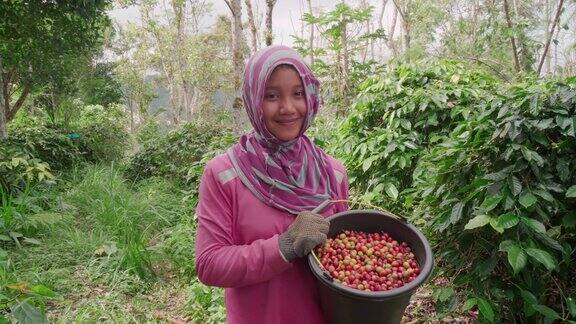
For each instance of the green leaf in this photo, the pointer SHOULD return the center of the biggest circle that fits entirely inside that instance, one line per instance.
(456, 212)
(534, 225)
(368, 162)
(547, 312)
(445, 294)
(505, 245)
(28, 314)
(527, 199)
(517, 258)
(43, 291)
(485, 309)
(529, 301)
(391, 190)
(498, 176)
(496, 225)
(32, 241)
(471, 302)
(569, 220)
(571, 306)
(508, 220)
(544, 194)
(571, 192)
(515, 185)
(543, 257)
(477, 221)
(490, 203)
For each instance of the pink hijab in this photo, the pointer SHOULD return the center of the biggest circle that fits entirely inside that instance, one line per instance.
(293, 176)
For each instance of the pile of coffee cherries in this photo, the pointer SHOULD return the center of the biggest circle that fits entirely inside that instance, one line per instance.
(368, 261)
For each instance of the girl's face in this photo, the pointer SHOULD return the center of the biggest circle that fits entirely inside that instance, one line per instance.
(284, 104)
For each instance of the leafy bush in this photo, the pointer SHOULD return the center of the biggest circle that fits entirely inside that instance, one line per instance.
(47, 143)
(180, 154)
(102, 133)
(487, 170)
(397, 118)
(502, 192)
(149, 132)
(18, 170)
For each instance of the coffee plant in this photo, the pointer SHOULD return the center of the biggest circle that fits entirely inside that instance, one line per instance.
(487, 170)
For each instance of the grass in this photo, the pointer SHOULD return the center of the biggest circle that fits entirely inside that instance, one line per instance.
(121, 253)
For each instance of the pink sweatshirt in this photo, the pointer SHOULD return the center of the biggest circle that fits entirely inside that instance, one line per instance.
(237, 248)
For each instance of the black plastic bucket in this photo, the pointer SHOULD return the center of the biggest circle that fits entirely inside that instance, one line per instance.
(342, 304)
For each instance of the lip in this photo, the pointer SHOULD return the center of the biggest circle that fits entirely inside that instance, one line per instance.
(287, 122)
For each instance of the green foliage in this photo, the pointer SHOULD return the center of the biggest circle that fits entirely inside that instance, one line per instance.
(46, 143)
(36, 36)
(149, 132)
(100, 86)
(499, 185)
(206, 304)
(339, 65)
(180, 154)
(487, 169)
(178, 249)
(19, 170)
(397, 118)
(103, 136)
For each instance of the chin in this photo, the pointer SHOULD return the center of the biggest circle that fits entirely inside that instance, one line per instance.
(287, 137)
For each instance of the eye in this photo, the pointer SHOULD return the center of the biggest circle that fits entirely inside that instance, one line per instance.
(299, 93)
(271, 96)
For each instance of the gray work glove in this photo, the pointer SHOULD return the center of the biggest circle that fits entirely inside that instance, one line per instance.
(306, 232)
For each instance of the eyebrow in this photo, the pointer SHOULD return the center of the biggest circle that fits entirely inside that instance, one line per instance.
(278, 88)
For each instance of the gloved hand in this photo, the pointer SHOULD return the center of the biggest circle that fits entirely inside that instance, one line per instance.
(307, 231)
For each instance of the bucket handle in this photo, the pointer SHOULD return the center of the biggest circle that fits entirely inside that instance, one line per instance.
(327, 202)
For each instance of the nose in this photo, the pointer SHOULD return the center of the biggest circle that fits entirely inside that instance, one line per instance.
(287, 106)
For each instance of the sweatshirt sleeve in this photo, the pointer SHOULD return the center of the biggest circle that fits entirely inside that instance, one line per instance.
(219, 262)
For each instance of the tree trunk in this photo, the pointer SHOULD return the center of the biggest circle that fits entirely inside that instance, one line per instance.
(268, 36)
(556, 19)
(3, 128)
(252, 25)
(311, 40)
(391, 44)
(404, 12)
(180, 22)
(345, 68)
(236, 10)
(512, 38)
(381, 27)
(548, 21)
(11, 112)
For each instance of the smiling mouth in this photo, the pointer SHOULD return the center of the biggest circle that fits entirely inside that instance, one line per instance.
(287, 122)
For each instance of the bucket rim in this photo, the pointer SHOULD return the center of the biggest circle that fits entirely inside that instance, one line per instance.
(425, 269)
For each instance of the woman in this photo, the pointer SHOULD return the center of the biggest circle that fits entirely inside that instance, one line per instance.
(254, 224)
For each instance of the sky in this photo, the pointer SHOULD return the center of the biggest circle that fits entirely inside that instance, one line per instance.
(285, 19)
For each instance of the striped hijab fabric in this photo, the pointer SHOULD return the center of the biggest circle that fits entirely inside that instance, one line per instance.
(293, 176)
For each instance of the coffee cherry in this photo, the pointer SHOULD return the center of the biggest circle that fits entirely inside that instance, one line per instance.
(368, 261)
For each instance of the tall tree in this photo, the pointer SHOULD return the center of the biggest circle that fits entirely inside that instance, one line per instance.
(252, 25)
(34, 38)
(512, 37)
(268, 35)
(311, 39)
(235, 7)
(549, 39)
